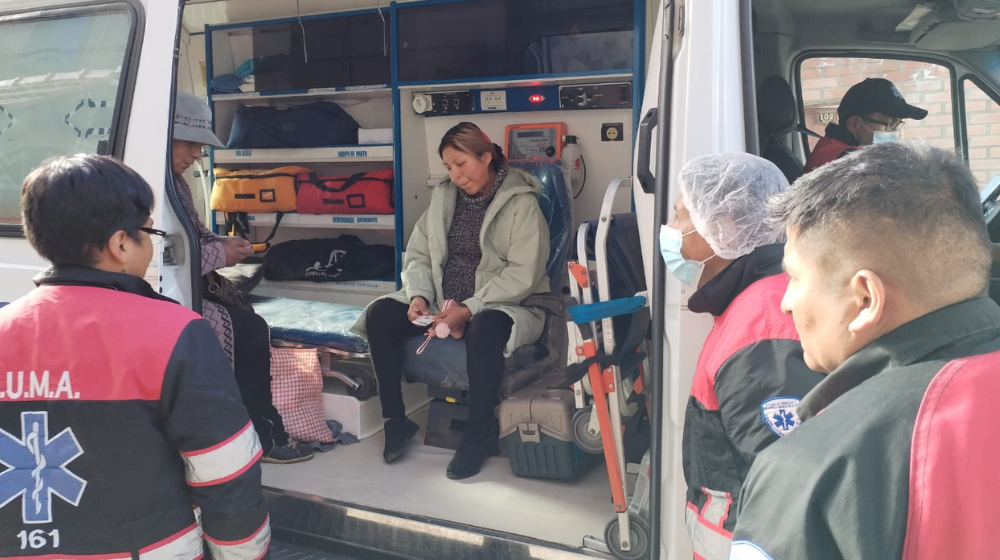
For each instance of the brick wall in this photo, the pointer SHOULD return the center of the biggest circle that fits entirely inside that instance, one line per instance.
(825, 80)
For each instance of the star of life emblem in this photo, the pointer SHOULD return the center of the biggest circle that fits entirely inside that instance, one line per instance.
(781, 414)
(36, 468)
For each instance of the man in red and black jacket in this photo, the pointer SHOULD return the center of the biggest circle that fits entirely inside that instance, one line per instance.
(750, 374)
(118, 409)
(871, 112)
(897, 457)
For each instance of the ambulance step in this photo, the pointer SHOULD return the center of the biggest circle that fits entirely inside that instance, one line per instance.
(355, 531)
(281, 550)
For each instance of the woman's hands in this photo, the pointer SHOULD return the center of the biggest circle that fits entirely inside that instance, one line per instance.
(455, 317)
(418, 308)
(236, 250)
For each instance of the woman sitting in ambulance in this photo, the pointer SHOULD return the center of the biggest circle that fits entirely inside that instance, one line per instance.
(483, 244)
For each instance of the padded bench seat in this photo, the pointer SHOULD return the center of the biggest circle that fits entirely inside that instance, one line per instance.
(443, 364)
(315, 323)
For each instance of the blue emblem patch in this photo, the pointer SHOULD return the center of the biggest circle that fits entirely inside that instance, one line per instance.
(781, 414)
(36, 468)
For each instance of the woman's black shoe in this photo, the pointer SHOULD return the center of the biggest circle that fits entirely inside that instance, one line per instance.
(469, 458)
(398, 433)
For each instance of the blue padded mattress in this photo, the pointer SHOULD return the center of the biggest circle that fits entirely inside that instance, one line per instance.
(311, 322)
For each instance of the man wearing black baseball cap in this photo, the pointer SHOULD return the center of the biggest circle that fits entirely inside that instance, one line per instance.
(870, 112)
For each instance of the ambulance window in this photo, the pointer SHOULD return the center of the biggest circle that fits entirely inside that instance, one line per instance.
(825, 80)
(60, 83)
(982, 115)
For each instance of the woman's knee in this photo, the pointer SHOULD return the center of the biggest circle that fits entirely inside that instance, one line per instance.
(385, 312)
(489, 329)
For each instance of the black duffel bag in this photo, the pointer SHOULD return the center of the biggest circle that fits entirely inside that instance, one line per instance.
(322, 123)
(341, 259)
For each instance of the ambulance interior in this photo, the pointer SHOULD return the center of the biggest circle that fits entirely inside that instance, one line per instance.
(807, 44)
(550, 90)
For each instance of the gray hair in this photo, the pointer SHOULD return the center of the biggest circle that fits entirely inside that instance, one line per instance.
(914, 210)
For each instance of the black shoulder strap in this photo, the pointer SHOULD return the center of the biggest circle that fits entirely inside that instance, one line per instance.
(348, 182)
(238, 224)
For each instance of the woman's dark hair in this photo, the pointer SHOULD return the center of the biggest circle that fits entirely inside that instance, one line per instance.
(71, 206)
(467, 137)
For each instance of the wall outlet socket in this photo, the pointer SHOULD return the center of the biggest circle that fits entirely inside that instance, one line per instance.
(493, 100)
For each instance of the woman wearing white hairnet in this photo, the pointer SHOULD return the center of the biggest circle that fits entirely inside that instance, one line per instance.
(750, 374)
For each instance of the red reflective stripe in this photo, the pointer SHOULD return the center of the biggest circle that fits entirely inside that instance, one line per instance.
(708, 502)
(714, 528)
(118, 556)
(253, 535)
(721, 511)
(708, 525)
(224, 479)
(249, 426)
(729, 504)
(169, 539)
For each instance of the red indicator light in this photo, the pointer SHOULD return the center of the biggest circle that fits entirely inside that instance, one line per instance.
(536, 98)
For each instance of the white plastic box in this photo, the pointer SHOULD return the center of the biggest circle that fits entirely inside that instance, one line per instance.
(364, 418)
(375, 136)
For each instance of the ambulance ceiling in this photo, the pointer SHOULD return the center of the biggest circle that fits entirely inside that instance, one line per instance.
(933, 25)
(199, 13)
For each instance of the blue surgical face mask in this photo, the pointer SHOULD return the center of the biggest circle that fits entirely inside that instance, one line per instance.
(885, 136)
(881, 137)
(688, 272)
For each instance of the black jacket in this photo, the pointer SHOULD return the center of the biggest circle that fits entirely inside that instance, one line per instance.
(120, 413)
(748, 382)
(844, 485)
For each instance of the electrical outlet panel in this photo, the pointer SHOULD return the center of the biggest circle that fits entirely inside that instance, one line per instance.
(444, 103)
(495, 100)
(453, 102)
(599, 96)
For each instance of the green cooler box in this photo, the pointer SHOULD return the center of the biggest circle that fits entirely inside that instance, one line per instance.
(536, 428)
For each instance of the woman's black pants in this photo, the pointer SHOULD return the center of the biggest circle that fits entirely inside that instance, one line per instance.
(485, 339)
(252, 365)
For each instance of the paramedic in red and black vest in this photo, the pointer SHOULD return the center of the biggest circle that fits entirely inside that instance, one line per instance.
(243, 334)
(871, 112)
(897, 454)
(750, 374)
(118, 409)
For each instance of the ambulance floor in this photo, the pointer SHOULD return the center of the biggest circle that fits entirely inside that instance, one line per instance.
(552, 511)
(281, 550)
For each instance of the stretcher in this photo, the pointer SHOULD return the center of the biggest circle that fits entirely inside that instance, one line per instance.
(325, 327)
(606, 363)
